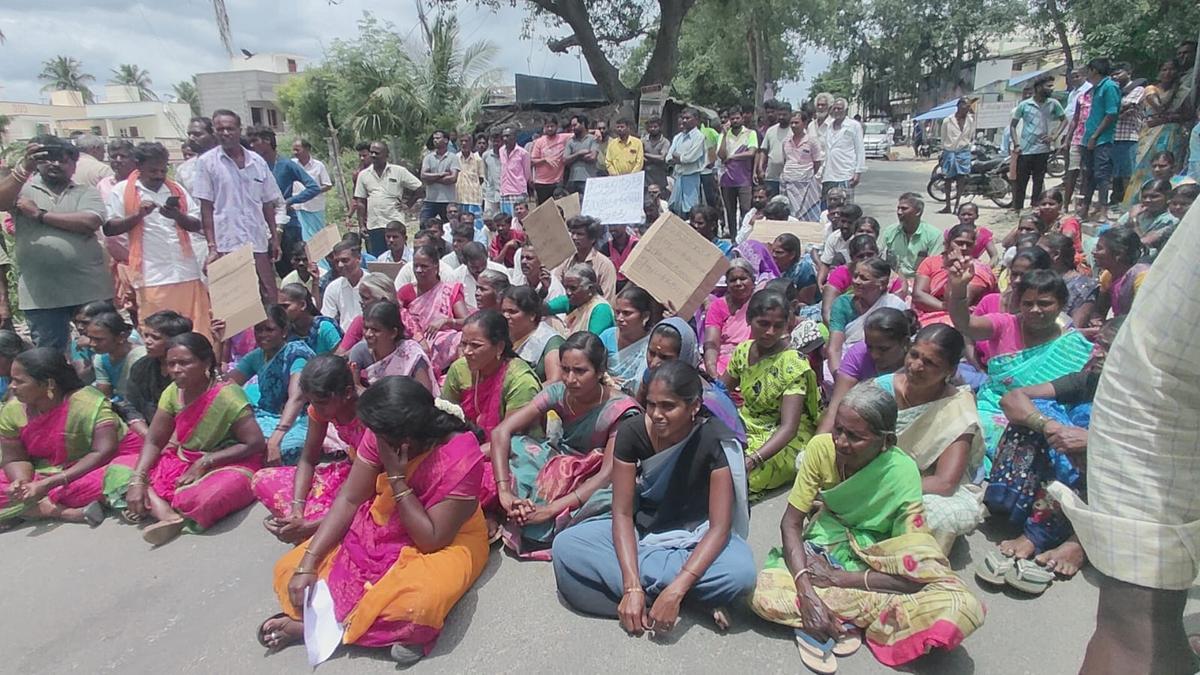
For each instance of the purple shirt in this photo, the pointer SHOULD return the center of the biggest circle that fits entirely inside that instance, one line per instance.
(237, 195)
(857, 362)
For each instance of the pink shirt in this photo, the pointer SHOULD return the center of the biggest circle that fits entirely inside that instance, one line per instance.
(550, 149)
(1006, 337)
(839, 278)
(514, 171)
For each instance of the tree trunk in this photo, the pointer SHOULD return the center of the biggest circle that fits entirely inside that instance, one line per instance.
(664, 59)
(1060, 29)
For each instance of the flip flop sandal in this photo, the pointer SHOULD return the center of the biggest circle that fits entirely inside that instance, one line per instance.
(93, 514)
(993, 567)
(817, 656)
(262, 630)
(406, 656)
(849, 642)
(163, 531)
(1028, 577)
(129, 517)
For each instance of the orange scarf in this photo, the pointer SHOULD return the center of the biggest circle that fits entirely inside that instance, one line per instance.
(132, 204)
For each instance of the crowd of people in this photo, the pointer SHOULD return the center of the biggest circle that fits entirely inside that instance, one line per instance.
(396, 426)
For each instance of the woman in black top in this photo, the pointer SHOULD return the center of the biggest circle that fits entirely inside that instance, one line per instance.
(679, 520)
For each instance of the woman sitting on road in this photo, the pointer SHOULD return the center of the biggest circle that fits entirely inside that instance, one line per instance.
(1153, 222)
(849, 311)
(780, 397)
(857, 553)
(679, 522)
(863, 246)
(725, 325)
(490, 288)
(403, 541)
(985, 242)
(385, 350)
(929, 289)
(585, 307)
(319, 332)
(57, 437)
(534, 340)
(1117, 255)
(938, 426)
(886, 339)
(203, 448)
(634, 313)
(372, 288)
(1082, 289)
(436, 310)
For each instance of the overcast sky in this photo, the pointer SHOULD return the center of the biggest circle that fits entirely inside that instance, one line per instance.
(172, 39)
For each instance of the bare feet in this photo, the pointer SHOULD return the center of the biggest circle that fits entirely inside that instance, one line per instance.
(278, 632)
(493, 528)
(1065, 560)
(721, 616)
(1020, 548)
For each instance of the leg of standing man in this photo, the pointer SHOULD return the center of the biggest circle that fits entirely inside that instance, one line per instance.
(1021, 183)
(268, 289)
(1037, 170)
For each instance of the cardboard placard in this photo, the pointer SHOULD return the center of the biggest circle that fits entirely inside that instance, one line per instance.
(615, 200)
(233, 288)
(547, 231)
(569, 205)
(391, 269)
(808, 233)
(676, 265)
(321, 244)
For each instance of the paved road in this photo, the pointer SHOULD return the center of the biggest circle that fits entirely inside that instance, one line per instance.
(99, 601)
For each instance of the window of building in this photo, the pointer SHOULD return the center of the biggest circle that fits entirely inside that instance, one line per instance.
(291, 64)
(256, 115)
(272, 117)
(133, 132)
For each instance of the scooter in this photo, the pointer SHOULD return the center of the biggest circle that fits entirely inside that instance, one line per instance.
(989, 178)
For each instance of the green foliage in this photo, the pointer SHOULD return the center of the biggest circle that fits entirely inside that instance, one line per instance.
(64, 72)
(837, 80)
(1143, 32)
(186, 92)
(130, 75)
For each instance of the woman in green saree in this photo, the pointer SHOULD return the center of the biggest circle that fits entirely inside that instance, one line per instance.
(857, 553)
(1168, 117)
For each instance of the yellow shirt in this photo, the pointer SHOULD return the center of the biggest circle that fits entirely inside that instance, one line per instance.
(383, 193)
(818, 471)
(625, 156)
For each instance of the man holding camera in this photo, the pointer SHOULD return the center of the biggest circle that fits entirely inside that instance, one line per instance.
(62, 262)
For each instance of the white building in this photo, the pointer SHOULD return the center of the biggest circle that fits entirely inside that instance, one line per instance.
(248, 87)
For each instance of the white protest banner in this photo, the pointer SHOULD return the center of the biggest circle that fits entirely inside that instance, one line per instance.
(547, 231)
(808, 233)
(615, 200)
(675, 264)
(233, 288)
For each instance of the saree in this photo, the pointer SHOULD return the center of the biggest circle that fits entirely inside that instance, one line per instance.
(759, 255)
(579, 318)
(533, 347)
(421, 311)
(856, 328)
(1170, 137)
(625, 365)
(1063, 355)
(385, 591)
(875, 520)
(202, 426)
(763, 386)
(405, 360)
(544, 470)
(57, 439)
(715, 398)
(733, 327)
(1124, 289)
(934, 267)
(272, 393)
(924, 432)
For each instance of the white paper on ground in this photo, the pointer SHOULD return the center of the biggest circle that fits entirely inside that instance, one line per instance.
(322, 633)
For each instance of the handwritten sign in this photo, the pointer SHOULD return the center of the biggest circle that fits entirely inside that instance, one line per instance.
(321, 244)
(615, 200)
(233, 285)
(391, 269)
(569, 205)
(808, 233)
(547, 231)
(675, 264)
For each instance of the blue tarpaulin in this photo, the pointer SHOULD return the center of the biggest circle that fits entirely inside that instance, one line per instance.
(938, 112)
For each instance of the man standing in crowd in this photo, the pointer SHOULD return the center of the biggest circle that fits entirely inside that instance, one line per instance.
(911, 239)
(625, 154)
(162, 222)
(687, 155)
(469, 187)
(957, 132)
(1035, 116)
(340, 300)
(287, 173)
(655, 148)
(311, 213)
(488, 148)
(600, 133)
(845, 160)
(708, 173)
(200, 133)
(378, 192)
(580, 155)
(1098, 135)
(737, 149)
(1129, 127)
(770, 158)
(439, 173)
(515, 172)
(238, 194)
(91, 167)
(816, 126)
(120, 160)
(1079, 94)
(55, 219)
(546, 158)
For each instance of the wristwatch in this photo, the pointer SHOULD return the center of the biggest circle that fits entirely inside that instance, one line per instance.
(41, 217)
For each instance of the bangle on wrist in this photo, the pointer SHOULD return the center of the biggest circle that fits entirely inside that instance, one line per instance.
(401, 495)
(797, 575)
(300, 570)
(866, 586)
(398, 476)
(636, 589)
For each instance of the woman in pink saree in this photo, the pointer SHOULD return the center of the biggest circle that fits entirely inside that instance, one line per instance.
(56, 438)
(202, 449)
(435, 309)
(405, 538)
(725, 324)
(298, 497)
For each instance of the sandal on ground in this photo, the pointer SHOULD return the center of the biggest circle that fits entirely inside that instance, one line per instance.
(1029, 577)
(262, 630)
(163, 531)
(849, 642)
(93, 514)
(993, 567)
(129, 517)
(817, 656)
(406, 656)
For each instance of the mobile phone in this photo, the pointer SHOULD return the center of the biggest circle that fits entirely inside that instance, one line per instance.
(172, 202)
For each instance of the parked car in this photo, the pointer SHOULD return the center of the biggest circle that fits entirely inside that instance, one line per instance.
(876, 142)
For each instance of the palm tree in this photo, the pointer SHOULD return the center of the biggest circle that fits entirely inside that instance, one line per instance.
(130, 75)
(66, 73)
(186, 92)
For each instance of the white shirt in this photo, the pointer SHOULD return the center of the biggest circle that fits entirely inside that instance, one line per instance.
(237, 195)
(955, 137)
(406, 275)
(163, 261)
(451, 261)
(1073, 97)
(817, 131)
(834, 244)
(386, 256)
(518, 279)
(185, 173)
(316, 169)
(844, 155)
(341, 303)
(463, 276)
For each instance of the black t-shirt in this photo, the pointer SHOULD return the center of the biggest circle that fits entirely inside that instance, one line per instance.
(1076, 388)
(146, 385)
(684, 504)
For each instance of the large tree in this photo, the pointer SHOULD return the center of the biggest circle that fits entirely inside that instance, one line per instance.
(1143, 32)
(66, 73)
(130, 75)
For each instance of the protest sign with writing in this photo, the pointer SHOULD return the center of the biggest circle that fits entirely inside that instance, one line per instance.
(615, 200)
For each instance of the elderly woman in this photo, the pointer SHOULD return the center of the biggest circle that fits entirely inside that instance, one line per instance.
(403, 541)
(490, 287)
(435, 310)
(929, 289)
(679, 520)
(725, 325)
(534, 340)
(585, 233)
(1117, 255)
(857, 553)
(634, 313)
(585, 307)
(849, 311)
(938, 426)
(475, 263)
(372, 288)
(780, 397)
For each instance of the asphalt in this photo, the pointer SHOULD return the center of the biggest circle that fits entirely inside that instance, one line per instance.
(77, 600)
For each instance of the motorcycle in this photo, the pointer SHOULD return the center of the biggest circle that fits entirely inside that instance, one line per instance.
(1056, 165)
(989, 178)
